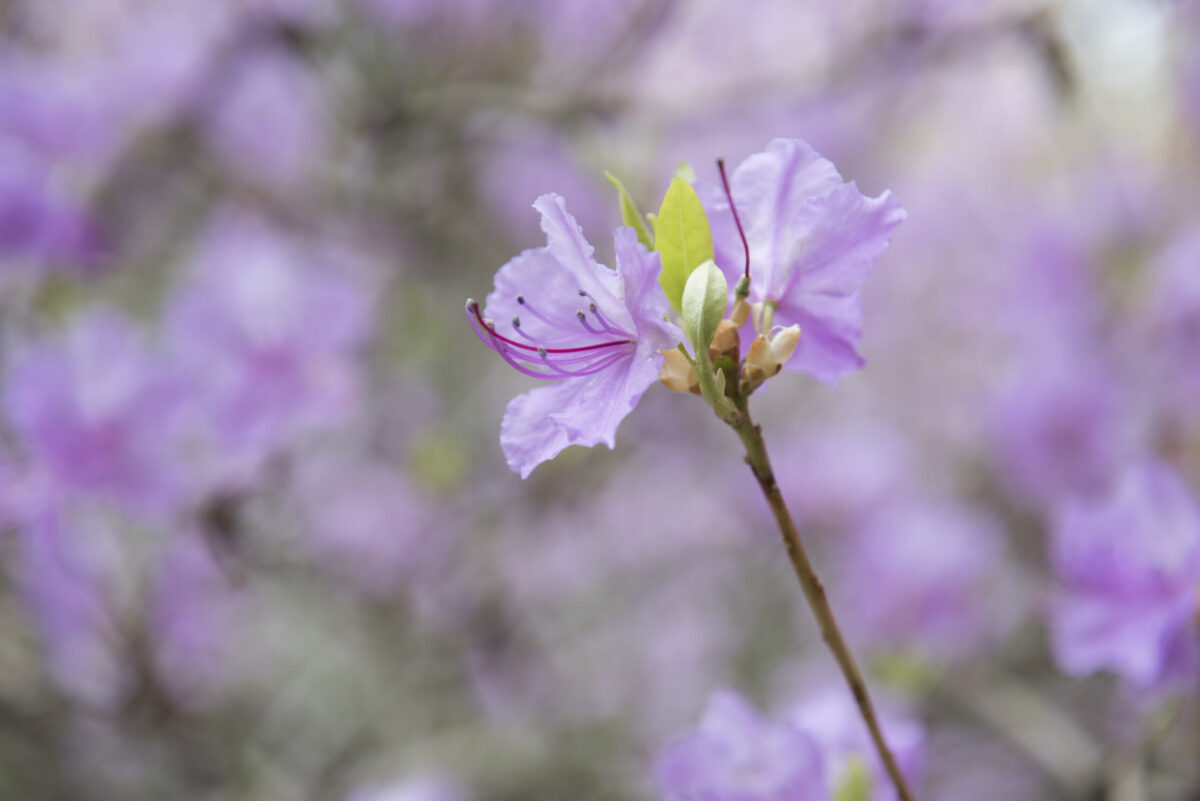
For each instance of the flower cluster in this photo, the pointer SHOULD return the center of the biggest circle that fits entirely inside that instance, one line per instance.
(808, 241)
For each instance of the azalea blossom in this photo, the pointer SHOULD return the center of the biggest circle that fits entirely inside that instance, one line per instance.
(812, 239)
(737, 755)
(1129, 569)
(557, 314)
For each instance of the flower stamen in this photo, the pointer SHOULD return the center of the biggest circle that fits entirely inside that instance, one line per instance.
(562, 362)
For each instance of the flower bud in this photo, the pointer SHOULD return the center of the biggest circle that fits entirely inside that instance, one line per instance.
(676, 374)
(767, 356)
(725, 342)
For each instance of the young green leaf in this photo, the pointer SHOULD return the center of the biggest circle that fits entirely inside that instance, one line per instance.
(682, 237)
(704, 299)
(629, 212)
(855, 784)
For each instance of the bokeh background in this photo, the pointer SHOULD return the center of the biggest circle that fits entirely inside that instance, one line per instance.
(257, 536)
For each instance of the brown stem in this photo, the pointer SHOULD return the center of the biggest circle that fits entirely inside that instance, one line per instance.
(756, 457)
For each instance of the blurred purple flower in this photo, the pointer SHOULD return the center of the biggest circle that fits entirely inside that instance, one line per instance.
(41, 225)
(1060, 426)
(920, 576)
(1129, 570)
(193, 617)
(835, 474)
(94, 412)
(420, 788)
(532, 160)
(365, 524)
(832, 719)
(813, 239)
(49, 108)
(269, 126)
(152, 65)
(557, 314)
(269, 339)
(1175, 318)
(64, 574)
(736, 755)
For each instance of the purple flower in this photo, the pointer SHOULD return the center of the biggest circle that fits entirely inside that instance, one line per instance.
(270, 340)
(1060, 427)
(66, 571)
(736, 755)
(922, 576)
(813, 238)
(193, 617)
(831, 718)
(1129, 570)
(557, 314)
(94, 412)
(41, 225)
(365, 524)
(1175, 321)
(268, 127)
(417, 788)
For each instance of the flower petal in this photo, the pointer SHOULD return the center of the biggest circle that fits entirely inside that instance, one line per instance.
(838, 238)
(639, 269)
(540, 424)
(830, 327)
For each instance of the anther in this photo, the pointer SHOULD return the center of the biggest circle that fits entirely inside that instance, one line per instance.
(521, 300)
(582, 294)
(516, 321)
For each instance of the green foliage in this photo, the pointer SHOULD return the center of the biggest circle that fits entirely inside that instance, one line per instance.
(855, 782)
(630, 215)
(682, 237)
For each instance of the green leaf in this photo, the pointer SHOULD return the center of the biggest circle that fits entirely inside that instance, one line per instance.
(682, 237)
(704, 299)
(855, 782)
(629, 212)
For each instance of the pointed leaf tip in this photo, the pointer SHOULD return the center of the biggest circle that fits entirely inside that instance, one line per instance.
(630, 215)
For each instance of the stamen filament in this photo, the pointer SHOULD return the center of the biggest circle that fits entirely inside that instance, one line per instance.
(552, 323)
(473, 309)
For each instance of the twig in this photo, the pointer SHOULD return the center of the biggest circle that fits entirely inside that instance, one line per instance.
(756, 457)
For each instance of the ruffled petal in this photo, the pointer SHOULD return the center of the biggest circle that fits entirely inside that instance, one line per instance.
(566, 243)
(839, 236)
(538, 425)
(771, 190)
(1094, 633)
(830, 327)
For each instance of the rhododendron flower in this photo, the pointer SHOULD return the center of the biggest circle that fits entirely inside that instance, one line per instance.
(828, 715)
(93, 411)
(813, 239)
(736, 755)
(1129, 564)
(557, 314)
